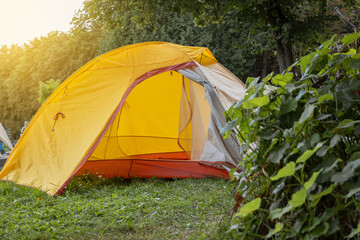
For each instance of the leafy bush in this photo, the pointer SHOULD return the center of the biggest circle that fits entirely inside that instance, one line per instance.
(299, 136)
(46, 89)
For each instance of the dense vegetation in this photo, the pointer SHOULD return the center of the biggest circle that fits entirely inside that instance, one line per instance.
(300, 145)
(96, 208)
(55, 56)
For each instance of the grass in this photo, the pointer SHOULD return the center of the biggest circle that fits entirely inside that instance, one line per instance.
(97, 208)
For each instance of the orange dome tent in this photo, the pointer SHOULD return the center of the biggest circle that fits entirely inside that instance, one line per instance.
(144, 110)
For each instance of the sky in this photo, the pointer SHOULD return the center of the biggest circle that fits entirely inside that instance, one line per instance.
(24, 20)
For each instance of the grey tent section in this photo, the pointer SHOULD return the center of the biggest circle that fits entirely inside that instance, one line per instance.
(220, 95)
(4, 137)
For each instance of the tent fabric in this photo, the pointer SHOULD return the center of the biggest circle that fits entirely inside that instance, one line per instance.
(4, 137)
(130, 112)
(217, 149)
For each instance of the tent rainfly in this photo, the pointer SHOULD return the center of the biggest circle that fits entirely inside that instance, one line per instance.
(151, 109)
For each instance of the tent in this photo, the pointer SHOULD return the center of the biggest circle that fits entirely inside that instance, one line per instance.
(151, 109)
(4, 137)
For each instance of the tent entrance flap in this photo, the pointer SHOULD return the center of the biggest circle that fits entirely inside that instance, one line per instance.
(164, 117)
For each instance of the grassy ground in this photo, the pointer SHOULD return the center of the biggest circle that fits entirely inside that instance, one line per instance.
(95, 208)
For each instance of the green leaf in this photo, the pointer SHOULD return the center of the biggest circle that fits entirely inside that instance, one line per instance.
(348, 39)
(352, 192)
(279, 212)
(314, 139)
(298, 198)
(244, 125)
(355, 64)
(334, 226)
(322, 151)
(228, 127)
(326, 97)
(339, 58)
(249, 207)
(232, 174)
(314, 223)
(329, 213)
(311, 181)
(354, 231)
(334, 140)
(308, 153)
(347, 172)
(288, 120)
(288, 106)
(278, 153)
(287, 170)
(347, 128)
(266, 133)
(309, 109)
(274, 141)
(324, 48)
(282, 80)
(322, 117)
(256, 102)
(347, 92)
(251, 82)
(243, 147)
(238, 104)
(305, 61)
(323, 193)
(320, 230)
(290, 87)
(278, 227)
(347, 123)
(317, 64)
(298, 224)
(331, 167)
(268, 77)
(301, 93)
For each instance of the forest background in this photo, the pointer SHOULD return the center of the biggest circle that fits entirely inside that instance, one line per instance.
(250, 38)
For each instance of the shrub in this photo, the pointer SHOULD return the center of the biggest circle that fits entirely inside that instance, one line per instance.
(46, 89)
(299, 140)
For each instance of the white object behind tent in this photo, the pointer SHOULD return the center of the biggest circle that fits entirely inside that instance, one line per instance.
(4, 137)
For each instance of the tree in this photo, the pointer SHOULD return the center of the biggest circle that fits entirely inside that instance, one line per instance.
(9, 58)
(128, 22)
(46, 89)
(56, 55)
(290, 22)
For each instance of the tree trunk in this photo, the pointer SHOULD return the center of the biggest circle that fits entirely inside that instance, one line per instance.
(289, 54)
(284, 53)
(264, 64)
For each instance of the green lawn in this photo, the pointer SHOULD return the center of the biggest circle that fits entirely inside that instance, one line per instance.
(96, 208)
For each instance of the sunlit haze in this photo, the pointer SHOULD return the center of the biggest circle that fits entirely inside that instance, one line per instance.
(24, 20)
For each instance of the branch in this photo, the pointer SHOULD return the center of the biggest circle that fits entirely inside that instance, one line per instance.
(347, 19)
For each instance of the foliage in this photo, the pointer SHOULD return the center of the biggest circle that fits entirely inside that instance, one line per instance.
(129, 22)
(289, 24)
(98, 208)
(46, 89)
(55, 56)
(9, 58)
(299, 137)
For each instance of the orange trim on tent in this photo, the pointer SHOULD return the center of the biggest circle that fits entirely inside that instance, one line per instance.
(153, 156)
(160, 156)
(151, 168)
(132, 86)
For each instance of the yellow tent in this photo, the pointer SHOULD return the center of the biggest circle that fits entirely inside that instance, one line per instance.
(148, 109)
